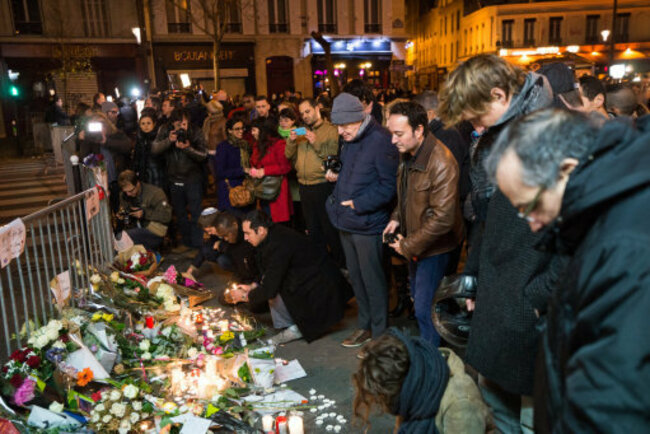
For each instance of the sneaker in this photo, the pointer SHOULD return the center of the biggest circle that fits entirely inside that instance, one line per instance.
(289, 334)
(356, 339)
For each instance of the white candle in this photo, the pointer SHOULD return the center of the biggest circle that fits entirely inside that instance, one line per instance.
(267, 423)
(295, 425)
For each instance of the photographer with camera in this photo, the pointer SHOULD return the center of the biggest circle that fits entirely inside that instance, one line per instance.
(428, 209)
(144, 211)
(360, 207)
(183, 146)
(310, 150)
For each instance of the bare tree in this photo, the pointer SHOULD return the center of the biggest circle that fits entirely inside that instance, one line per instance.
(214, 18)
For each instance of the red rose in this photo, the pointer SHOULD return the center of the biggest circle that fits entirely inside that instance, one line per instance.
(65, 339)
(129, 263)
(5, 369)
(18, 356)
(100, 157)
(16, 380)
(143, 260)
(96, 396)
(33, 362)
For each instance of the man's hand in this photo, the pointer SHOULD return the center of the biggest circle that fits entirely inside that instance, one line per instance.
(82, 135)
(396, 245)
(216, 245)
(189, 274)
(391, 227)
(172, 136)
(292, 135)
(183, 145)
(311, 136)
(349, 203)
(331, 176)
(471, 304)
(136, 212)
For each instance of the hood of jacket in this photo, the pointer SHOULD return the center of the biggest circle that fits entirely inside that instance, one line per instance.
(535, 94)
(616, 166)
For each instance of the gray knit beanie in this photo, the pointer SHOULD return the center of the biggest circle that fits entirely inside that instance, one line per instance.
(347, 109)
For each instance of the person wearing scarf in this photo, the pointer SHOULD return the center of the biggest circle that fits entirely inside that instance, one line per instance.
(425, 387)
(230, 159)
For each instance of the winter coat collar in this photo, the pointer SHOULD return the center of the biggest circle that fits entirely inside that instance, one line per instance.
(423, 154)
(535, 94)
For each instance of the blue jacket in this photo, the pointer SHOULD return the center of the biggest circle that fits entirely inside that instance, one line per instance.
(368, 178)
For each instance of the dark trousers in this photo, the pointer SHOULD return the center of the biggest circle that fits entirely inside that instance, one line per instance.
(145, 237)
(186, 197)
(207, 253)
(425, 276)
(321, 231)
(363, 255)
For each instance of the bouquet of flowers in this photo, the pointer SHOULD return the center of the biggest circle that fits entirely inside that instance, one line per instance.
(94, 160)
(162, 345)
(120, 409)
(174, 277)
(20, 375)
(137, 260)
(186, 287)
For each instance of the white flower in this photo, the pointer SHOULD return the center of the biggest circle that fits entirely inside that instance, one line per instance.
(107, 418)
(52, 334)
(125, 425)
(134, 417)
(115, 395)
(121, 281)
(60, 345)
(99, 408)
(171, 306)
(131, 391)
(56, 407)
(95, 418)
(95, 279)
(118, 409)
(137, 405)
(41, 341)
(192, 353)
(144, 345)
(146, 356)
(166, 331)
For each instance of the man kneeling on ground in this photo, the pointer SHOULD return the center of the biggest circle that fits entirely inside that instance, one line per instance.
(303, 285)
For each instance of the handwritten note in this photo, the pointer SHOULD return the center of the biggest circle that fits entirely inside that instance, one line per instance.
(61, 288)
(196, 425)
(12, 241)
(92, 203)
(288, 372)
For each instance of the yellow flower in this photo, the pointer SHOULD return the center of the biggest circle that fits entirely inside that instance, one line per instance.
(115, 276)
(227, 336)
(169, 407)
(97, 316)
(108, 317)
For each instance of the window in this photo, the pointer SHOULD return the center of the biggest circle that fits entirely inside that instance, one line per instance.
(278, 16)
(178, 16)
(27, 17)
(95, 18)
(233, 17)
(622, 27)
(555, 30)
(372, 16)
(591, 35)
(506, 33)
(529, 32)
(326, 16)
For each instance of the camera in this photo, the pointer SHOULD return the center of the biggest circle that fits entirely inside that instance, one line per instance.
(181, 135)
(390, 238)
(94, 131)
(124, 216)
(333, 163)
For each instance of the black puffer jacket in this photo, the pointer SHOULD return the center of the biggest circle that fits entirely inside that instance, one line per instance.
(183, 165)
(597, 339)
(150, 168)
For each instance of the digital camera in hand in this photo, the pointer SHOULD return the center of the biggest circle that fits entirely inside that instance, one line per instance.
(181, 135)
(390, 238)
(333, 163)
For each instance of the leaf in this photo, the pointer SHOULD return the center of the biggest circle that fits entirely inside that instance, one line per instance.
(211, 410)
(166, 420)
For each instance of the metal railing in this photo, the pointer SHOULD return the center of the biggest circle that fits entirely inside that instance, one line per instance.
(58, 238)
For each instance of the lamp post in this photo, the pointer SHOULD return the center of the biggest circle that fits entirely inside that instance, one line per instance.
(612, 41)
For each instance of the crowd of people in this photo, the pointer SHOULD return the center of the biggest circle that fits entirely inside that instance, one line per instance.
(540, 178)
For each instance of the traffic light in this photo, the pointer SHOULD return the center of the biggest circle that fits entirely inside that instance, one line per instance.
(14, 92)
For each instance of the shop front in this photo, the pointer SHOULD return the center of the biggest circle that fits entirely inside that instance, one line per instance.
(176, 63)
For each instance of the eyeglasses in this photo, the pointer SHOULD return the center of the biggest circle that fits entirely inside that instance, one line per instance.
(525, 209)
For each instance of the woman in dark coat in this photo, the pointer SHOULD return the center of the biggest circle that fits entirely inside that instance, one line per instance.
(150, 169)
(230, 159)
(268, 160)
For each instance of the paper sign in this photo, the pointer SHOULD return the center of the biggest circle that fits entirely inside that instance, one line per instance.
(273, 402)
(291, 371)
(92, 203)
(196, 425)
(61, 287)
(43, 418)
(12, 241)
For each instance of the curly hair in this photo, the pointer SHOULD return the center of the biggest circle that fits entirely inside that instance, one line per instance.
(378, 381)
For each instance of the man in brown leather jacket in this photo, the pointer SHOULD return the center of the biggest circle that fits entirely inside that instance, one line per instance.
(428, 212)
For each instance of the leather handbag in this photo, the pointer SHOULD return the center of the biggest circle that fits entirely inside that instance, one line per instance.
(265, 188)
(240, 196)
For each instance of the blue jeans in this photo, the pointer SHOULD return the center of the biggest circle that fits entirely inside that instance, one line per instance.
(425, 276)
(187, 196)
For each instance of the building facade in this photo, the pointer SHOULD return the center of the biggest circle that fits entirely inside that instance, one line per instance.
(527, 33)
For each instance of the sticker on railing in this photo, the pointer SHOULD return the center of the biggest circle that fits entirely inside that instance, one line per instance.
(92, 203)
(12, 241)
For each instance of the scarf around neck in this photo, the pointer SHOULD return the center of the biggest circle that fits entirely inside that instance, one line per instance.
(244, 151)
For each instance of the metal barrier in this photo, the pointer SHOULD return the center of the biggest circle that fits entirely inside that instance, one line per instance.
(58, 238)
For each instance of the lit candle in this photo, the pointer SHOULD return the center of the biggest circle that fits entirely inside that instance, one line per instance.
(295, 425)
(267, 423)
(149, 322)
(199, 318)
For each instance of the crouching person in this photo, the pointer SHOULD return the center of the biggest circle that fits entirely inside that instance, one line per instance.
(144, 211)
(303, 285)
(425, 387)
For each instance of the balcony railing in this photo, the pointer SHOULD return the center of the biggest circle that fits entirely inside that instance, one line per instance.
(233, 28)
(372, 28)
(327, 28)
(279, 28)
(179, 27)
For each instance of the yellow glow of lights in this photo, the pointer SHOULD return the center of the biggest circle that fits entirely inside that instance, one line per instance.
(573, 48)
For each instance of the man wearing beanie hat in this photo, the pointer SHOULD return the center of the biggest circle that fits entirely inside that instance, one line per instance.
(359, 208)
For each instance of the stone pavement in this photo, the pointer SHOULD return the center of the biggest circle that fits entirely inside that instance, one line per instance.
(329, 366)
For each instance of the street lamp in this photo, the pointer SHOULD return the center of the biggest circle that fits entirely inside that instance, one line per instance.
(605, 34)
